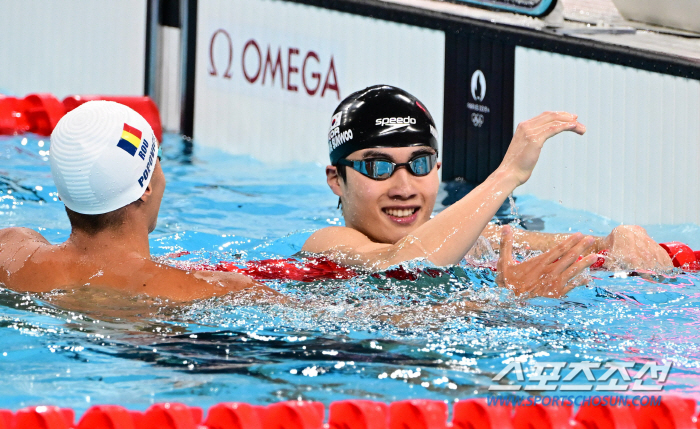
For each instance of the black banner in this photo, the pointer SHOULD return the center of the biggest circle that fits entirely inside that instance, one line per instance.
(479, 82)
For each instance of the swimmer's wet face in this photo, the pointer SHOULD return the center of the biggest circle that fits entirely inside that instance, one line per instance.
(386, 210)
(381, 168)
(383, 150)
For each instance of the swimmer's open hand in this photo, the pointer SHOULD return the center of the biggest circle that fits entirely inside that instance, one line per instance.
(552, 274)
(524, 150)
(630, 248)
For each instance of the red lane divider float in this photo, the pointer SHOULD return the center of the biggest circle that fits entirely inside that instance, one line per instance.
(546, 417)
(477, 414)
(671, 413)
(682, 256)
(606, 417)
(107, 417)
(359, 414)
(418, 414)
(12, 117)
(43, 418)
(235, 415)
(39, 113)
(143, 105)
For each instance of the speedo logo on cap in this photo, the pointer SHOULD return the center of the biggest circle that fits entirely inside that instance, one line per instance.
(394, 123)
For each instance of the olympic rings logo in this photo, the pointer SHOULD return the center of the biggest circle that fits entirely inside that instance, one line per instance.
(477, 119)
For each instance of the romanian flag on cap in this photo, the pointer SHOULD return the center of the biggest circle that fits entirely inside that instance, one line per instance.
(131, 139)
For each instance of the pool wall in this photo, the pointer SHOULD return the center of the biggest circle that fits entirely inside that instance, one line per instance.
(269, 73)
(638, 162)
(641, 107)
(262, 77)
(73, 47)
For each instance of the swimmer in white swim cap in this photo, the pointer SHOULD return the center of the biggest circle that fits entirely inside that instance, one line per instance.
(105, 164)
(383, 151)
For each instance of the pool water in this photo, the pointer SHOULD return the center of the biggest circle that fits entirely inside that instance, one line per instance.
(85, 347)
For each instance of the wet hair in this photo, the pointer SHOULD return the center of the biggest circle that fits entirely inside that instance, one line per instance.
(342, 172)
(93, 224)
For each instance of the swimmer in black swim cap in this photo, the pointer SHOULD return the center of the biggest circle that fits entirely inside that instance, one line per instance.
(379, 116)
(383, 148)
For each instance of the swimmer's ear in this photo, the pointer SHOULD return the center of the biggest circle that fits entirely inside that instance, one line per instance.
(146, 194)
(333, 180)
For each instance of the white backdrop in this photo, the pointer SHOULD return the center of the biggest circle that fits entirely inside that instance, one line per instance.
(242, 108)
(639, 161)
(72, 46)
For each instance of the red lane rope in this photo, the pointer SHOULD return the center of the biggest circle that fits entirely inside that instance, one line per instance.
(668, 412)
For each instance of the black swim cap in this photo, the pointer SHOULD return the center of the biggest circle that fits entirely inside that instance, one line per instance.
(379, 116)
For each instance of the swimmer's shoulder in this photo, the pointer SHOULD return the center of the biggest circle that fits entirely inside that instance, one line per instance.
(15, 239)
(333, 237)
(15, 234)
(17, 245)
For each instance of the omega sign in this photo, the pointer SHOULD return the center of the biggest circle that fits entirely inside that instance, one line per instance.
(289, 68)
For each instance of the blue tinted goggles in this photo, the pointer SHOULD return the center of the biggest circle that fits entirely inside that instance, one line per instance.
(382, 169)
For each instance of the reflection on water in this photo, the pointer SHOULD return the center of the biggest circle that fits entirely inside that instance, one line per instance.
(444, 335)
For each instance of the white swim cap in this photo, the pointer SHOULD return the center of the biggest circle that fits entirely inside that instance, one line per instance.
(102, 157)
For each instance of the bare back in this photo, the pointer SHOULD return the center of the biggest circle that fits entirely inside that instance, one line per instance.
(29, 263)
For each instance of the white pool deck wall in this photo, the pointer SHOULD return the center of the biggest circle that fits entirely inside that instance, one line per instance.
(283, 119)
(639, 161)
(69, 47)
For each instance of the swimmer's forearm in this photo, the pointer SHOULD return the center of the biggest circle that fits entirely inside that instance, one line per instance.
(534, 240)
(449, 236)
(527, 240)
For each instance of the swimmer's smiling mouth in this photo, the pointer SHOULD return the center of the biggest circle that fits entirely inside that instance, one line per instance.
(402, 215)
(400, 212)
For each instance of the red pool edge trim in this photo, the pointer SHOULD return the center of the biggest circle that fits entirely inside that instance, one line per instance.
(670, 412)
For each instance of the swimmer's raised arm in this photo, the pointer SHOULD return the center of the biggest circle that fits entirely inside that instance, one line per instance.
(447, 237)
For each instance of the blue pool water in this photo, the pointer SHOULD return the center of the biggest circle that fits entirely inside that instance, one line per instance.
(80, 348)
